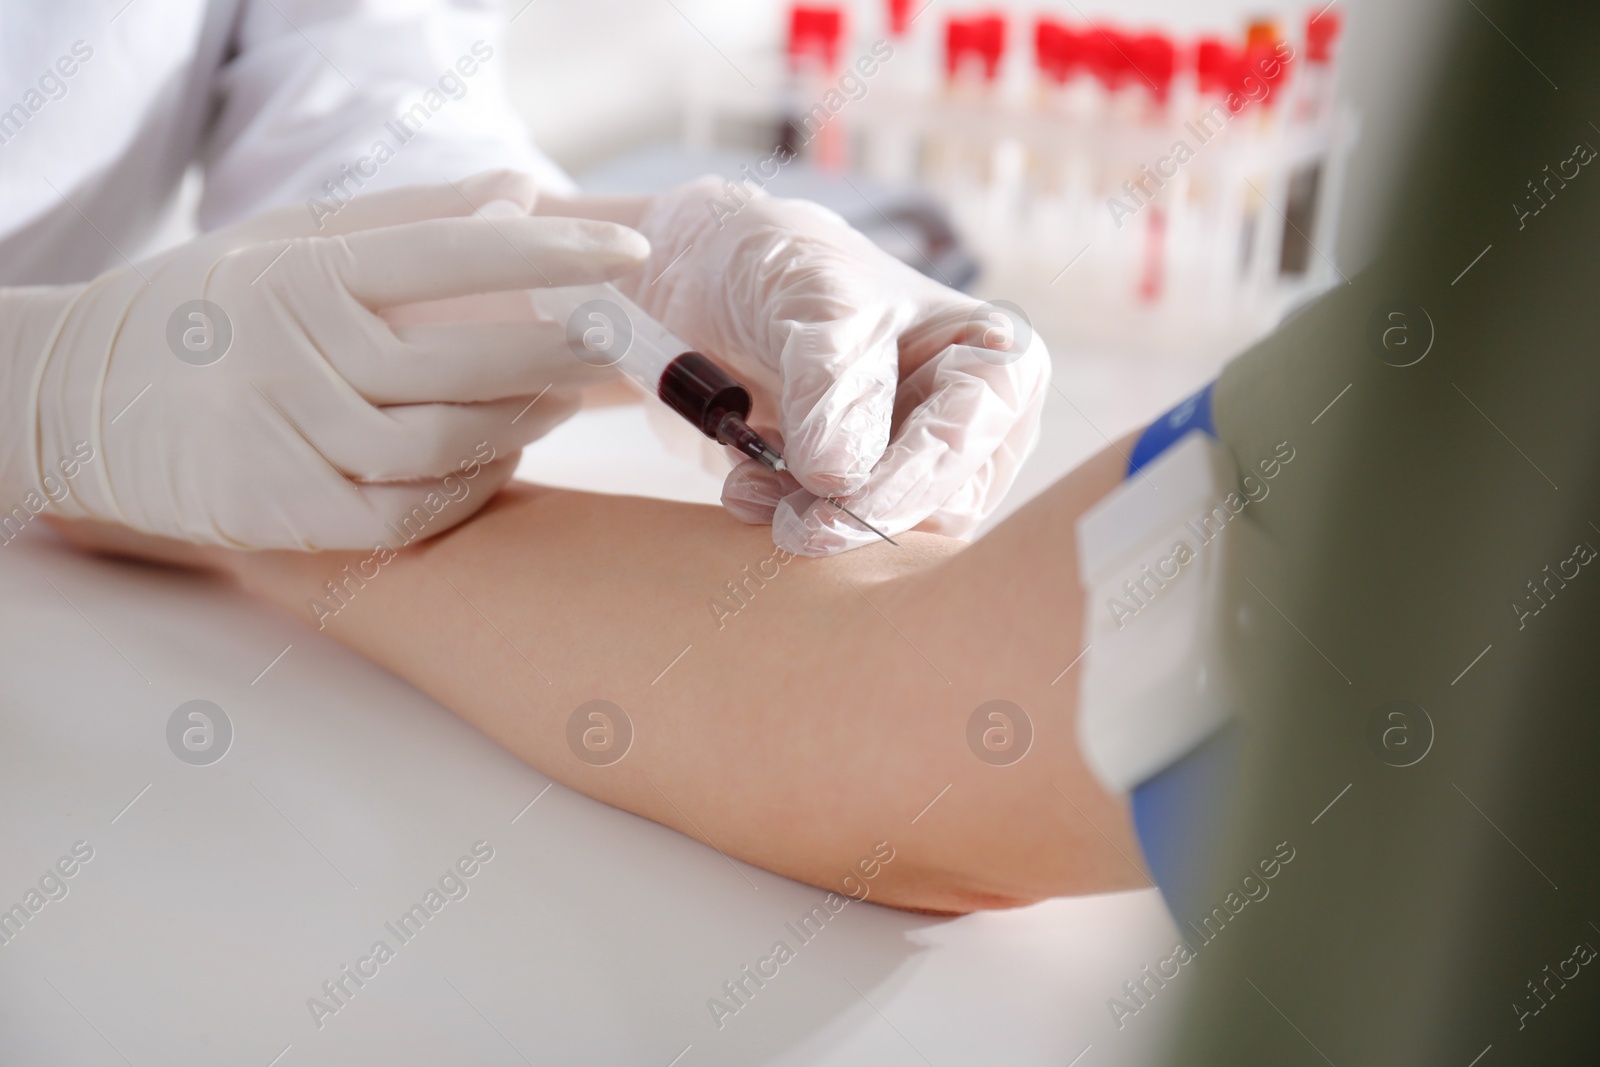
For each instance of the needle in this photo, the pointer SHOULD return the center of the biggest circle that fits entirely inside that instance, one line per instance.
(733, 431)
(862, 521)
(774, 462)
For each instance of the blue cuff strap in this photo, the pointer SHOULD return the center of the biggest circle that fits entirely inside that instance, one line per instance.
(1193, 414)
(1180, 816)
(1178, 812)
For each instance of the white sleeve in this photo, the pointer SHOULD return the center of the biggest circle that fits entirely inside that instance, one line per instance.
(334, 98)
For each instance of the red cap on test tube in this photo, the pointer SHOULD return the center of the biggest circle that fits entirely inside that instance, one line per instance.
(1060, 52)
(815, 32)
(1217, 64)
(899, 17)
(1109, 57)
(1260, 38)
(1262, 60)
(1261, 32)
(1321, 33)
(1154, 59)
(1047, 50)
(982, 38)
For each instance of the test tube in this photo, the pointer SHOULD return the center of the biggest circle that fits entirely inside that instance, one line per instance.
(1312, 113)
(976, 171)
(815, 36)
(1153, 57)
(894, 113)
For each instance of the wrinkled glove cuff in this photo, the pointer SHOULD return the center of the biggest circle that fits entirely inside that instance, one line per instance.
(34, 318)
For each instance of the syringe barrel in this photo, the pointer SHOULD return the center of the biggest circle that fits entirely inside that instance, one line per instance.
(605, 328)
(702, 392)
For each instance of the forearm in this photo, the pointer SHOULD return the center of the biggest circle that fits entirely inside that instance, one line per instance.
(794, 727)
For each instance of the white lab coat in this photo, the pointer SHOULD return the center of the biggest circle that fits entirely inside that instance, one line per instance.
(104, 104)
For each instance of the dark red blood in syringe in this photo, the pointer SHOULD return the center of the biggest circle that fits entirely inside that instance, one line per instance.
(702, 392)
(714, 403)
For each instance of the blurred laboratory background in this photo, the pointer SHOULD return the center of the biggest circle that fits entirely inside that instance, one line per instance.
(1025, 122)
(1155, 184)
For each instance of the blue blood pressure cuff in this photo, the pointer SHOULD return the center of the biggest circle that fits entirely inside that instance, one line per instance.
(1155, 712)
(1193, 414)
(1181, 815)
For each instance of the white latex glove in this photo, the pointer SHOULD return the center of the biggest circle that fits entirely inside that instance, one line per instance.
(912, 404)
(320, 425)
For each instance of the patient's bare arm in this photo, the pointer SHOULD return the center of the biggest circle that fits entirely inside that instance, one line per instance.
(818, 709)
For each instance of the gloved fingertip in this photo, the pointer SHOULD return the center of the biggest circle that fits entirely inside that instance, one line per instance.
(609, 246)
(749, 514)
(626, 245)
(842, 460)
(811, 529)
(791, 532)
(835, 483)
(833, 472)
(633, 244)
(500, 186)
(751, 492)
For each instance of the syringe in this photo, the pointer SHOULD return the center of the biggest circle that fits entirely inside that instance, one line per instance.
(606, 329)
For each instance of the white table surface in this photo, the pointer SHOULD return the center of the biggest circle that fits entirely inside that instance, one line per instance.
(222, 897)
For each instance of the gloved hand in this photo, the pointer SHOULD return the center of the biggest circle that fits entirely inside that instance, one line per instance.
(912, 404)
(284, 411)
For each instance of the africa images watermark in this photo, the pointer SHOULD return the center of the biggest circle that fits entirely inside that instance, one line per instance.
(16, 518)
(451, 85)
(1582, 154)
(52, 86)
(413, 526)
(1253, 888)
(1542, 993)
(739, 991)
(454, 884)
(1256, 86)
(851, 86)
(1541, 594)
(1142, 589)
(741, 592)
(52, 886)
